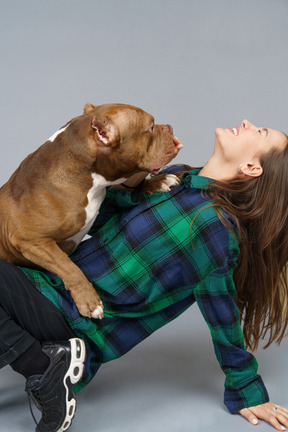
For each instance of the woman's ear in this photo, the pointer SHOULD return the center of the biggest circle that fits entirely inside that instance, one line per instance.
(251, 169)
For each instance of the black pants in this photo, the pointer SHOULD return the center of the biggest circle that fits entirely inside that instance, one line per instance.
(25, 315)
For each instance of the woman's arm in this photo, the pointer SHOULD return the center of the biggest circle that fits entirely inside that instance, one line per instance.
(245, 392)
(215, 299)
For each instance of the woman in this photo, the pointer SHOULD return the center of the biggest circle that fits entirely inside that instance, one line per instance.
(210, 238)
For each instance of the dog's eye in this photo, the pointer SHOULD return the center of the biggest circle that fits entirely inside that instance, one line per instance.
(151, 128)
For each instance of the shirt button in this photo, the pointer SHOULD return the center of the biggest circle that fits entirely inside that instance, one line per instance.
(188, 179)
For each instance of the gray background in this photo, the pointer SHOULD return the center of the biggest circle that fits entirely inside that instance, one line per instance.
(195, 64)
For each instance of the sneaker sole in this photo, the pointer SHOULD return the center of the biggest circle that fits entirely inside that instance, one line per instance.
(73, 375)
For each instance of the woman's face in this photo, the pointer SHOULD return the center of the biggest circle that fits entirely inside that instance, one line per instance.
(246, 143)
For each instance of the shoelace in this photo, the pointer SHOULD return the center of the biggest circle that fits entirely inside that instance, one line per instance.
(38, 405)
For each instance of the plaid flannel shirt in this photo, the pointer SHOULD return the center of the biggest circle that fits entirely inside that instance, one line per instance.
(149, 264)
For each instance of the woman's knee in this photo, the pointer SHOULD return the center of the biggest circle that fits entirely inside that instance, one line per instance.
(11, 277)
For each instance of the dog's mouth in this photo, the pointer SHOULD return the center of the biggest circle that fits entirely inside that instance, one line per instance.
(172, 153)
(178, 143)
(156, 170)
(173, 148)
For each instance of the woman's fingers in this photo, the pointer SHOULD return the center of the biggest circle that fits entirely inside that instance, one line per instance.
(272, 413)
(245, 412)
(280, 408)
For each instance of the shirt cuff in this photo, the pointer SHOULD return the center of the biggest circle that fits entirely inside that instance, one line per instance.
(253, 394)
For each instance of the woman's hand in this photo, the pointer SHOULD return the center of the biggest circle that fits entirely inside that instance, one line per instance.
(270, 412)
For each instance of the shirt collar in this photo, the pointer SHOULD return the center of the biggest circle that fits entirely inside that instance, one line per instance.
(191, 178)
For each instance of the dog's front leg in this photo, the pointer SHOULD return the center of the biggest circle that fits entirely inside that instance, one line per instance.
(47, 254)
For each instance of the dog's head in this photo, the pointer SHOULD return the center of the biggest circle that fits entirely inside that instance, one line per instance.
(126, 140)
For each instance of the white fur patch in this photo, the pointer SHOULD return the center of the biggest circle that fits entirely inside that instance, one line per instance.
(169, 181)
(52, 138)
(95, 198)
(98, 312)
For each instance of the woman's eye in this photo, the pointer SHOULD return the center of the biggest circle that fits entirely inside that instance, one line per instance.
(259, 131)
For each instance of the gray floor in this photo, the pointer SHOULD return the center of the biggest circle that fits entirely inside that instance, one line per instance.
(171, 382)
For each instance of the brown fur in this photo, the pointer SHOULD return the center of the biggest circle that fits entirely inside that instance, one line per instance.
(43, 203)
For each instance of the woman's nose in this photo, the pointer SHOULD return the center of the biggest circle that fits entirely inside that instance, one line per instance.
(247, 125)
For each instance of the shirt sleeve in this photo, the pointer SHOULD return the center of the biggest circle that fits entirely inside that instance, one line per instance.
(118, 199)
(215, 298)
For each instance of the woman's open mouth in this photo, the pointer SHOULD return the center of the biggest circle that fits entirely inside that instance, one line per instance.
(235, 131)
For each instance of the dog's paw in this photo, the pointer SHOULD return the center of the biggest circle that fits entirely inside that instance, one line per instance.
(161, 183)
(168, 182)
(89, 303)
(98, 312)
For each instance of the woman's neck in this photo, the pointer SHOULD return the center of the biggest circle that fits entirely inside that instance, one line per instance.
(216, 170)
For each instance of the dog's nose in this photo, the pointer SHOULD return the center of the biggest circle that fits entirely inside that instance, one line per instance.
(168, 128)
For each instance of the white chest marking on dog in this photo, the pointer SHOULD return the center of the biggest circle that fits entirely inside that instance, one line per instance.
(52, 138)
(95, 198)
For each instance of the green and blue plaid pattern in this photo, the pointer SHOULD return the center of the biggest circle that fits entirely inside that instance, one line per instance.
(149, 265)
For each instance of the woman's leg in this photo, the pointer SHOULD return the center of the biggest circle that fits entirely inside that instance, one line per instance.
(26, 316)
(27, 320)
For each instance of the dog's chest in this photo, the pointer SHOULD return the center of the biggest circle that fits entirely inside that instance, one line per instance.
(95, 197)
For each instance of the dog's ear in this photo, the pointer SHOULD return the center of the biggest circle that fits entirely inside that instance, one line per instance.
(105, 131)
(88, 107)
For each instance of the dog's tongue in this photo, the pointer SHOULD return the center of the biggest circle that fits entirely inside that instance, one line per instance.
(178, 143)
(156, 170)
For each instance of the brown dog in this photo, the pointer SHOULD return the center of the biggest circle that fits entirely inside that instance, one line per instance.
(53, 198)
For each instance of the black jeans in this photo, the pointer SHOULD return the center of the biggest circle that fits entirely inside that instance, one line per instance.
(25, 315)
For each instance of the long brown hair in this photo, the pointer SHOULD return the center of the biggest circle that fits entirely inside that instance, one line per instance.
(260, 208)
